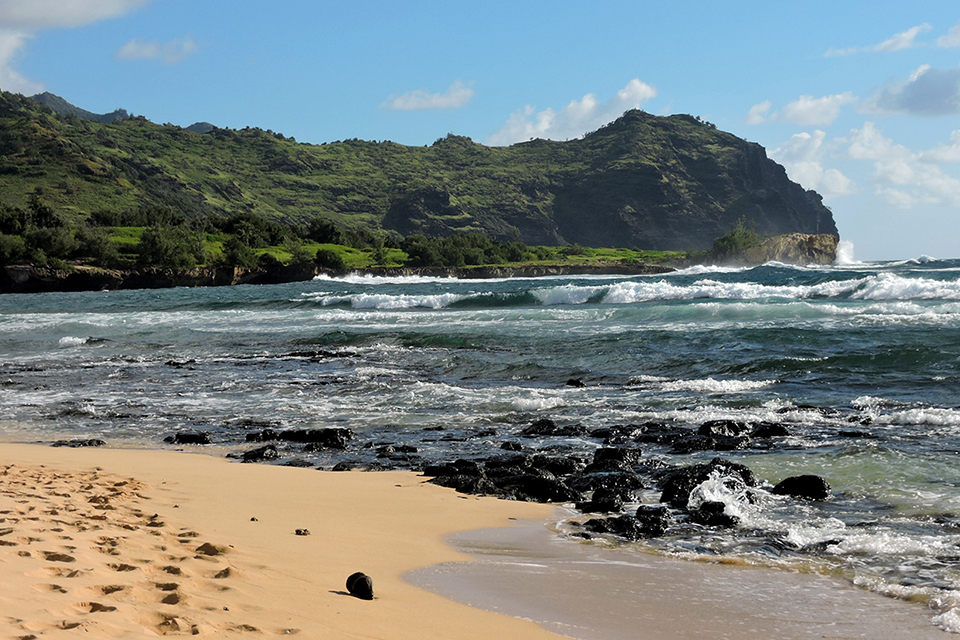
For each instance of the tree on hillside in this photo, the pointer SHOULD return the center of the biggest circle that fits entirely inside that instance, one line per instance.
(171, 247)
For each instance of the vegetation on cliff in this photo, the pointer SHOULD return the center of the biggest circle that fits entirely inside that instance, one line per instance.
(658, 183)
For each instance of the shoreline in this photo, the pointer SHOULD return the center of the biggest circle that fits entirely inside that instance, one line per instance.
(605, 592)
(34, 279)
(444, 565)
(126, 542)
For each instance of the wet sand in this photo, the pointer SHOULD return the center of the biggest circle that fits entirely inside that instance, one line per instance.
(582, 590)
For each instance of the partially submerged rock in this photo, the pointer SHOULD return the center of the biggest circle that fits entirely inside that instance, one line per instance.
(807, 487)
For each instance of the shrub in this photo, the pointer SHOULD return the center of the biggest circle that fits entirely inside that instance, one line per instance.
(238, 253)
(12, 249)
(330, 259)
(737, 240)
(171, 247)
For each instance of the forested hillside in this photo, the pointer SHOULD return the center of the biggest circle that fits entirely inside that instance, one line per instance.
(658, 183)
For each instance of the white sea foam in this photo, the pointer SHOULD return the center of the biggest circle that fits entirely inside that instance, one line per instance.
(712, 386)
(72, 341)
(568, 294)
(537, 403)
(922, 416)
(392, 302)
(845, 253)
(949, 620)
(707, 268)
(888, 286)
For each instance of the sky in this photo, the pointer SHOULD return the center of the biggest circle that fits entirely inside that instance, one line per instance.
(859, 101)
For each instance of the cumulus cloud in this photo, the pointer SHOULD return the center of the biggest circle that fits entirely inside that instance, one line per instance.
(808, 110)
(172, 52)
(575, 119)
(952, 39)
(802, 157)
(805, 111)
(758, 112)
(927, 92)
(33, 15)
(902, 176)
(949, 152)
(10, 80)
(456, 95)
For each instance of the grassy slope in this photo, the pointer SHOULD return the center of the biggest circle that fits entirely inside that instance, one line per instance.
(636, 171)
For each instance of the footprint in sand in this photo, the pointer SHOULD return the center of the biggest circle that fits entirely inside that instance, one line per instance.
(93, 607)
(50, 587)
(107, 589)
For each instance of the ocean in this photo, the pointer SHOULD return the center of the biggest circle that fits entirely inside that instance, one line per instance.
(859, 361)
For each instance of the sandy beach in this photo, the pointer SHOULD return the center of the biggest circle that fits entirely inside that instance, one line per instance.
(130, 543)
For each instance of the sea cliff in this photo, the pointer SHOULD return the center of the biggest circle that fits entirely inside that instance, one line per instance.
(795, 248)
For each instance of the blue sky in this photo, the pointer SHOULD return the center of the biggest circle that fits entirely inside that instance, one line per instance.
(858, 100)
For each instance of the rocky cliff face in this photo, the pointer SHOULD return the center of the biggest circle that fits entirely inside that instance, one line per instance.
(677, 183)
(792, 248)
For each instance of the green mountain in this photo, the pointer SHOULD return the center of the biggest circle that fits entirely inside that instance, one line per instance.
(61, 106)
(645, 181)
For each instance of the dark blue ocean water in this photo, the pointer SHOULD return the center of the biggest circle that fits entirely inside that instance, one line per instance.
(861, 361)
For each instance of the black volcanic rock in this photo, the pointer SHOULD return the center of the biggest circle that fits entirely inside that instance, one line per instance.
(189, 437)
(808, 487)
(678, 483)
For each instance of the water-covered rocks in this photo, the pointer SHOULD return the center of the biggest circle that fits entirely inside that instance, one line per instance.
(547, 427)
(260, 454)
(653, 520)
(648, 522)
(513, 476)
(712, 513)
(189, 437)
(79, 442)
(808, 487)
(677, 484)
(315, 439)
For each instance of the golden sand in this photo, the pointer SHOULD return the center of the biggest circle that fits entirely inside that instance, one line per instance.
(127, 543)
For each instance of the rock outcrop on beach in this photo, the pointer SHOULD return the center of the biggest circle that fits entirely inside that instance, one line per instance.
(791, 248)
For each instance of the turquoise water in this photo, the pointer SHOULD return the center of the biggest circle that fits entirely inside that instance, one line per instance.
(860, 361)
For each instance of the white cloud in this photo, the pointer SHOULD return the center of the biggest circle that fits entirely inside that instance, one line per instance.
(805, 111)
(457, 95)
(20, 19)
(172, 52)
(949, 152)
(758, 112)
(952, 39)
(11, 43)
(927, 92)
(902, 176)
(849, 51)
(903, 40)
(575, 119)
(808, 110)
(32, 15)
(802, 157)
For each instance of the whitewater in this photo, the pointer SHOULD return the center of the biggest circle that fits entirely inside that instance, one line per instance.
(859, 361)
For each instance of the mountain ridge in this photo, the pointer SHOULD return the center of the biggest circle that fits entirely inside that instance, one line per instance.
(656, 182)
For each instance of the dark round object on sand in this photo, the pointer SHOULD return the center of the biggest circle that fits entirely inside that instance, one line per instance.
(360, 585)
